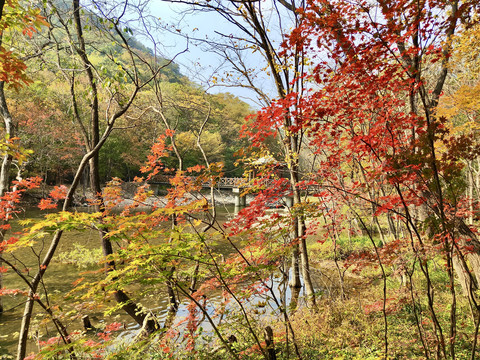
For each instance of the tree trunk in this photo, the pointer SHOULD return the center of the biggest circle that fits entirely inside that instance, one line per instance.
(130, 307)
(172, 299)
(27, 314)
(6, 165)
(299, 228)
(92, 153)
(295, 281)
(465, 279)
(271, 354)
(470, 192)
(474, 260)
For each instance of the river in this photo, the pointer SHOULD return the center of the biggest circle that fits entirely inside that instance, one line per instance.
(77, 253)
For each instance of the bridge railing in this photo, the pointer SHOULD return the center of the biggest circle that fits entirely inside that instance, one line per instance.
(225, 182)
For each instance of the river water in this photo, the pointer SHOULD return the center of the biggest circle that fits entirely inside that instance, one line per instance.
(64, 270)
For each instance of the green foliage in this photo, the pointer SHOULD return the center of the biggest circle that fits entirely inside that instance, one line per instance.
(372, 164)
(81, 256)
(51, 133)
(346, 246)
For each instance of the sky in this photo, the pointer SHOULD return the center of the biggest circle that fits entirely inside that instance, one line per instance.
(179, 23)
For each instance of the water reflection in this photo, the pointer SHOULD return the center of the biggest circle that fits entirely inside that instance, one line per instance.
(59, 277)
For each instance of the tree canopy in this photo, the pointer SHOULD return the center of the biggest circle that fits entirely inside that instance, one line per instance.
(361, 171)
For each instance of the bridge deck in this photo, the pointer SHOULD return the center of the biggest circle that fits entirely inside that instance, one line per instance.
(222, 183)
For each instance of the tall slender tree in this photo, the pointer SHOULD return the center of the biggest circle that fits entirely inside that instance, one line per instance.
(95, 137)
(261, 28)
(377, 80)
(12, 73)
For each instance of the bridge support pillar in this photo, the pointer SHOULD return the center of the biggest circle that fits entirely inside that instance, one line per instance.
(155, 188)
(240, 201)
(289, 201)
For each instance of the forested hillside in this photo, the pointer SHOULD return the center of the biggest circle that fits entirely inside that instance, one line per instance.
(355, 230)
(47, 123)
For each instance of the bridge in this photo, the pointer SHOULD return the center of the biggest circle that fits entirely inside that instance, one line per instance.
(235, 184)
(222, 183)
